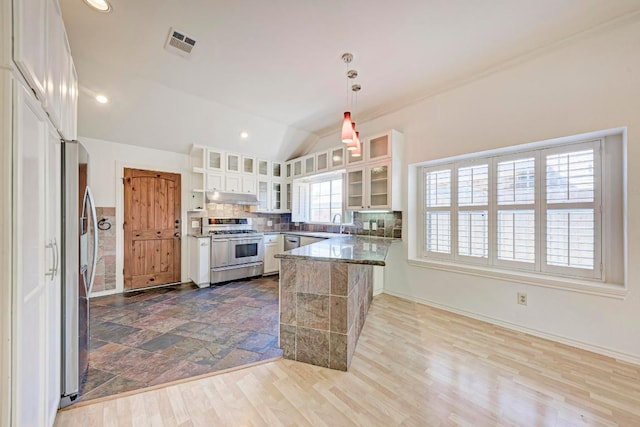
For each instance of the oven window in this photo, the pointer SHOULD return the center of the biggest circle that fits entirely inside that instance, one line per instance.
(244, 250)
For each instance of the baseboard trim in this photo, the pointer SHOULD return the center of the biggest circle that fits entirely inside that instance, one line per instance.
(625, 357)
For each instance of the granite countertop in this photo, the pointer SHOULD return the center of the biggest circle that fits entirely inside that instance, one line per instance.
(348, 249)
(199, 235)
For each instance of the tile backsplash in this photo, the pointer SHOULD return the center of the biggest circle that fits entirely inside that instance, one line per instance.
(105, 279)
(387, 224)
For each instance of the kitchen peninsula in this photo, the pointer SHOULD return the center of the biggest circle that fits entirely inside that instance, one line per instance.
(325, 292)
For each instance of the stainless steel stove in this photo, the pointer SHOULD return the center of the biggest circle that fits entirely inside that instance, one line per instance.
(236, 249)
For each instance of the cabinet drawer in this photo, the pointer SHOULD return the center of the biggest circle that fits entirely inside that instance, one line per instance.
(271, 238)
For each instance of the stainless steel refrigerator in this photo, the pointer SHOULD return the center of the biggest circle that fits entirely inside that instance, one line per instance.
(79, 258)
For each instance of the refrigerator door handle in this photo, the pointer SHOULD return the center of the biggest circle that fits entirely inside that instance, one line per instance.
(88, 199)
(53, 271)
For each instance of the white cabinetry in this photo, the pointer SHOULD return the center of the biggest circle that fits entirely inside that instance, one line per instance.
(38, 99)
(299, 202)
(376, 183)
(30, 42)
(215, 160)
(37, 298)
(273, 244)
(199, 255)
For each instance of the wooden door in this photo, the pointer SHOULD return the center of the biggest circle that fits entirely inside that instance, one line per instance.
(151, 228)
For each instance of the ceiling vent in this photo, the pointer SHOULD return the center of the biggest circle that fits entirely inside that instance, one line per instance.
(179, 43)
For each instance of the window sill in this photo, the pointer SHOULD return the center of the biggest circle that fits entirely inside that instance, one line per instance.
(556, 282)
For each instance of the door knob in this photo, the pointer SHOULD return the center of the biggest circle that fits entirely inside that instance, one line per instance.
(176, 235)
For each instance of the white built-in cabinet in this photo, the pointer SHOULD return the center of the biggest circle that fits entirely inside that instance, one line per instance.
(199, 254)
(39, 89)
(216, 170)
(374, 182)
(300, 201)
(273, 244)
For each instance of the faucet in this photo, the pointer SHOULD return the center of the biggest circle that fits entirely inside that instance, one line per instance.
(333, 221)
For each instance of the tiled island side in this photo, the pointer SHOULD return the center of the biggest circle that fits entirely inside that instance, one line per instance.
(325, 292)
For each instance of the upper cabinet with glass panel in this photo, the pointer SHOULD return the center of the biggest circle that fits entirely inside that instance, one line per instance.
(276, 170)
(378, 147)
(215, 160)
(263, 168)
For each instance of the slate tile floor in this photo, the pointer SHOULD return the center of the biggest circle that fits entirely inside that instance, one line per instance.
(151, 337)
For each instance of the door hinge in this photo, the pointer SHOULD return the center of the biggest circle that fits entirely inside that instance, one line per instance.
(122, 181)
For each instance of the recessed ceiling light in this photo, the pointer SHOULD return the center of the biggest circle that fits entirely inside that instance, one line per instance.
(102, 99)
(244, 134)
(99, 5)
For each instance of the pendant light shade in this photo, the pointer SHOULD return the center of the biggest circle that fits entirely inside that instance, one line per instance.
(347, 129)
(358, 151)
(354, 143)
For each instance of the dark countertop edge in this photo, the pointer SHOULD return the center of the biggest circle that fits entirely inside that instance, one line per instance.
(318, 258)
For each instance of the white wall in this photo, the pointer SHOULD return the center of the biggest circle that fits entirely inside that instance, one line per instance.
(107, 160)
(591, 83)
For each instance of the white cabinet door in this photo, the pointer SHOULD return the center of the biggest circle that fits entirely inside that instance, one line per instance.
(263, 196)
(233, 163)
(249, 184)
(52, 267)
(199, 254)
(378, 147)
(309, 164)
(300, 202)
(355, 189)
(337, 157)
(233, 183)
(30, 42)
(273, 244)
(215, 181)
(215, 160)
(322, 161)
(276, 196)
(31, 395)
(276, 170)
(248, 165)
(378, 186)
(57, 64)
(263, 168)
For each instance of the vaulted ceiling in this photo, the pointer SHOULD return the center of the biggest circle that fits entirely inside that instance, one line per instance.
(273, 68)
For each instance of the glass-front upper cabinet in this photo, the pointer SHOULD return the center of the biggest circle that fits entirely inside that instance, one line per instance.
(378, 147)
(322, 161)
(379, 186)
(276, 196)
(215, 160)
(263, 195)
(309, 164)
(288, 170)
(352, 158)
(297, 168)
(355, 189)
(337, 157)
(263, 168)
(276, 169)
(233, 162)
(248, 165)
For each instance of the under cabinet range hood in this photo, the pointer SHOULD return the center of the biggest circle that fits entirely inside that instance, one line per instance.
(232, 198)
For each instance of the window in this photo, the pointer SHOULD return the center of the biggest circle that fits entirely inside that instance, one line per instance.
(537, 210)
(325, 199)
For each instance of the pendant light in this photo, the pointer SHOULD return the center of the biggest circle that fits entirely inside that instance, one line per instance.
(348, 134)
(357, 152)
(353, 145)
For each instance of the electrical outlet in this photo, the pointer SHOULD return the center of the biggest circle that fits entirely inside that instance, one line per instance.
(365, 225)
(269, 223)
(522, 298)
(195, 224)
(374, 225)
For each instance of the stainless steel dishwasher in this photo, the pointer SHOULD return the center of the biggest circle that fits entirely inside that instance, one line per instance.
(291, 242)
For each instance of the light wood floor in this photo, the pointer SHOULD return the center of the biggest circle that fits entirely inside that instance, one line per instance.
(413, 366)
